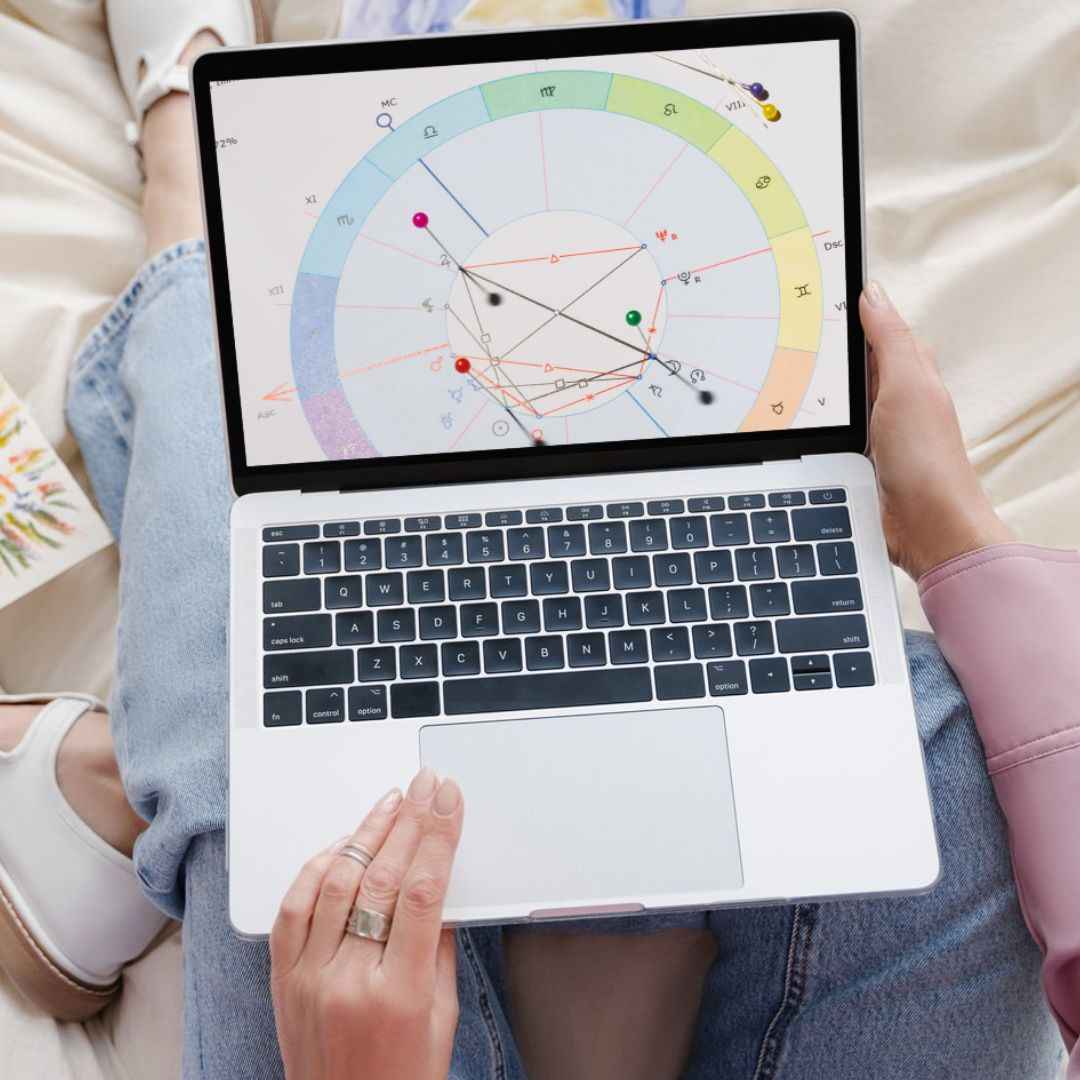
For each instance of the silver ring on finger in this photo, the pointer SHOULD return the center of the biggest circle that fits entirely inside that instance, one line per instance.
(365, 923)
(357, 854)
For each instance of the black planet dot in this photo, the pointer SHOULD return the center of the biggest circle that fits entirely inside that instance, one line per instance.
(494, 299)
(706, 397)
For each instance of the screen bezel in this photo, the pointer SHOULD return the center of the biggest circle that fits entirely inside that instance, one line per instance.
(530, 44)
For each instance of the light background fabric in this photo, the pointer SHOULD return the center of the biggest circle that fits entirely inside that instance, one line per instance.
(972, 146)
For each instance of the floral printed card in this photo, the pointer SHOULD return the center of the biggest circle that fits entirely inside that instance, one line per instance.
(47, 524)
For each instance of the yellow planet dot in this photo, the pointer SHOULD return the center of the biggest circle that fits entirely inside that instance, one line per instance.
(772, 113)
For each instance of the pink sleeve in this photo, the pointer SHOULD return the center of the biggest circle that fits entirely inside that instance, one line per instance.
(1007, 619)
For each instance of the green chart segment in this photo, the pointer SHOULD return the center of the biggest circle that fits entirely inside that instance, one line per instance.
(315, 367)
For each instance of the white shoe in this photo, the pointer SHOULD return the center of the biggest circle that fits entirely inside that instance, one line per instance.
(149, 36)
(72, 913)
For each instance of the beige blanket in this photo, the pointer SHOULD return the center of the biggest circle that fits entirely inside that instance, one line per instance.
(972, 161)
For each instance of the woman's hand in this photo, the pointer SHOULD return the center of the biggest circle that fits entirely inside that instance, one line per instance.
(932, 505)
(348, 1007)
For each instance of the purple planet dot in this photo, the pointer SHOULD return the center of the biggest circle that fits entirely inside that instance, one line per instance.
(420, 219)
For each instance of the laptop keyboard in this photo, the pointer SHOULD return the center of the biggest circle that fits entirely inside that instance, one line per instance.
(558, 607)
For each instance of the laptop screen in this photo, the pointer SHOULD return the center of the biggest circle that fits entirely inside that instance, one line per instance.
(482, 257)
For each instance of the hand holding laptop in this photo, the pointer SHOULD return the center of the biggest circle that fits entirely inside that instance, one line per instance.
(364, 976)
(932, 505)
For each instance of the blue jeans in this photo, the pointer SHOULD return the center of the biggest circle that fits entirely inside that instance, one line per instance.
(941, 985)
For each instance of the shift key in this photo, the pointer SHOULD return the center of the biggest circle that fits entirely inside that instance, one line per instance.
(308, 669)
(822, 634)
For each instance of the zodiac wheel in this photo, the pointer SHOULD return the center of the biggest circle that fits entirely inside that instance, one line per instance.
(563, 256)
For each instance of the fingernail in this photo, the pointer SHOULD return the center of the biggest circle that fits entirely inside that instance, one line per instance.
(448, 798)
(876, 295)
(423, 785)
(390, 801)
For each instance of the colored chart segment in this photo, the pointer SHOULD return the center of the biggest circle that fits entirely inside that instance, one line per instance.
(800, 290)
(783, 392)
(342, 219)
(428, 130)
(546, 90)
(692, 121)
(767, 190)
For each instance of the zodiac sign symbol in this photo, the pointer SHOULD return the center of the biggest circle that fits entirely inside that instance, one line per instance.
(431, 131)
(547, 91)
(345, 219)
(763, 182)
(802, 290)
(778, 408)
(670, 109)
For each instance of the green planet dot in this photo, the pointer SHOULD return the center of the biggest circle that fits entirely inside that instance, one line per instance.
(633, 317)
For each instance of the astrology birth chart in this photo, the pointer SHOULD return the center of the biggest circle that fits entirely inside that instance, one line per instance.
(570, 253)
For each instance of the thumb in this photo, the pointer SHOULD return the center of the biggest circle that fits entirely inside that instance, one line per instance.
(894, 350)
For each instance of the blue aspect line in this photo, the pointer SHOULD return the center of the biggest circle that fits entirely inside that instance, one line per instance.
(452, 196)
(630, 395)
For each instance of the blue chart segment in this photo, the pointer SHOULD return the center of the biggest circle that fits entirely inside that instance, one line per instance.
(566, 256)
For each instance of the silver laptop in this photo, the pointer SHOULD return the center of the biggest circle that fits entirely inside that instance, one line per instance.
(546, 408)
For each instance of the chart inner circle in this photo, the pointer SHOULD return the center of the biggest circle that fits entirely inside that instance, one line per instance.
(557, 312)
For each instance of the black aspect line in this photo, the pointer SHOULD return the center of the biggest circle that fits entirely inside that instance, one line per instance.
(690, 67)
(555, 311)
(581, 295)
(591, 379)
(483, 333)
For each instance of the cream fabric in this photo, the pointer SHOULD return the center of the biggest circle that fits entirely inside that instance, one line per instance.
(972, 166)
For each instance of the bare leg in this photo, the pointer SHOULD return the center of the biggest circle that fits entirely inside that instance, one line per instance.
(171, 196)
(606, 1007)
(86, 772)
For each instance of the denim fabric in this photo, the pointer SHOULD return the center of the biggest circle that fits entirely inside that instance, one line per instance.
(942, 985)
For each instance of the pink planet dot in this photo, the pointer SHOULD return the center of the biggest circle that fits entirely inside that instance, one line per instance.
(420, 219)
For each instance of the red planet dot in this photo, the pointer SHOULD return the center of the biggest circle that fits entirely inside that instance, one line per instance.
(462, 365)
(420, 219)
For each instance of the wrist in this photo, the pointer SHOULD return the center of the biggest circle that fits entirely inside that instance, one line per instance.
(956, 535)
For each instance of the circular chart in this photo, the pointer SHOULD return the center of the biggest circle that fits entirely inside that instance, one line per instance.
(557, 257)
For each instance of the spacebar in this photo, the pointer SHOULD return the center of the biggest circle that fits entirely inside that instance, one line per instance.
(552, 690)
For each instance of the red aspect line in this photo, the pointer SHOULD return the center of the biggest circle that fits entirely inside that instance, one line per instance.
(656, 184)
(682, 315)
(506, 393)
(560, 256)
(475, 417)
(394, 360)
(587, 397)
(554, 367)
(399, 250)
(737, 258)
(381, 307)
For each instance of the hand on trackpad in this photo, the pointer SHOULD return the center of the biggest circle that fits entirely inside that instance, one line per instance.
(571, 810)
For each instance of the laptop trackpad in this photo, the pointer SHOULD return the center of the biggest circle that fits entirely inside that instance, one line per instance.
(573, 810)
